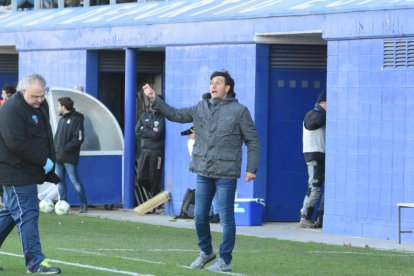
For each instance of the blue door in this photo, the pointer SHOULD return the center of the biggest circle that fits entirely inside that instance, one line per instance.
(297, 76)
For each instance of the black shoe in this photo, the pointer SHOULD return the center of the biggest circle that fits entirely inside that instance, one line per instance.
(151, 212)
(215, 218)
(83, 208)
(46, 268)
(318, 222)
(159, 210)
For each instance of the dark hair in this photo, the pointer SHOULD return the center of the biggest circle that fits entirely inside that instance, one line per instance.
(321, 97)
(10, 90)
(228, 81)
(66, 102)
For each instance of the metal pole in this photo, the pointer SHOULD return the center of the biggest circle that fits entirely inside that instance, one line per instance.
(399, 224)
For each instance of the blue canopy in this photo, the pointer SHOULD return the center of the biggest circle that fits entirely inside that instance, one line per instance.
(182, 11)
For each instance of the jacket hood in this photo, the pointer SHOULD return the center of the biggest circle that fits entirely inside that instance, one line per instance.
(207, 96)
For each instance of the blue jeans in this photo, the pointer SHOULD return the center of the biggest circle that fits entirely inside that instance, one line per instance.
(22, 209)
(205, 189)
(61, 169)
(214, 207)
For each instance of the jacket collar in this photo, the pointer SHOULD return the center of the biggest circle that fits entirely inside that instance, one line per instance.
(68, 114)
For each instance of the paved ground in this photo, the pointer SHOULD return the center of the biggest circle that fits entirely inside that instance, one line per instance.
(278, 230)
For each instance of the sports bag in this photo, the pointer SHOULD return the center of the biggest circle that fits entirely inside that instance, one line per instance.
(187, 207)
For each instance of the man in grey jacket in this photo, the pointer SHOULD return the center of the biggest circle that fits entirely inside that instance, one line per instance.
(222, 125)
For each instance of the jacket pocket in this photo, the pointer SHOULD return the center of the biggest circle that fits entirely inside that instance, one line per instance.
(228, 162)
(31, 129)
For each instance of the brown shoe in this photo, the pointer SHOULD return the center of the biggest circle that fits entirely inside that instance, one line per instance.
(306, 223)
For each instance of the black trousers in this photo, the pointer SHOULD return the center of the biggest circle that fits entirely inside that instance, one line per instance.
(149, 171)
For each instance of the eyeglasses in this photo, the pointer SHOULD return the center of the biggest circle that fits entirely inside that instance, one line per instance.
(38, 98)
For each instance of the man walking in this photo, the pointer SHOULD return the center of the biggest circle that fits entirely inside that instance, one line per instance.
(26, 159)
(6, 93)
(68, 140)
(222, 125)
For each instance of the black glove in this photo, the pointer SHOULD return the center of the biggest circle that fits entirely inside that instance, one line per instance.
(52, 177)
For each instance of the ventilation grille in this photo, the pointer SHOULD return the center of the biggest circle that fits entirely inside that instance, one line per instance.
(114, 61)
(399, 54)
(9, 63)
(298, 56)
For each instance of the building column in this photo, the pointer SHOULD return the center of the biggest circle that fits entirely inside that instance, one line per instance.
(129, 127)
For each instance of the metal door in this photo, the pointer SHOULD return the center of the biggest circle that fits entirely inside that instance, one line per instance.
(297, 76)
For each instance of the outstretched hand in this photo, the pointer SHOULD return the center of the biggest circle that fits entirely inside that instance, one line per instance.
(149, 92)
(249, 176)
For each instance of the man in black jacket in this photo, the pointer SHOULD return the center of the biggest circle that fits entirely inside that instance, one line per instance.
(150, 132)
(68, 140)
(26, 159)
(314, 142)
(6, 93)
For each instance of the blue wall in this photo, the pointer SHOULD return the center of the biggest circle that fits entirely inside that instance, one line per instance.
(61, 68)
(370, 145)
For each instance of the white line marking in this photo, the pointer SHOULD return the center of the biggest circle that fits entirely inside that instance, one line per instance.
(133, 259)
(173, 250)
(84, 266)
(100, 268)
(408, 254)
(228, 273)
(115, 249)
(102, 254)
(145, 250)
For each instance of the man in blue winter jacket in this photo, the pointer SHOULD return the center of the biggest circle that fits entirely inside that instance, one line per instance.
(222, 125)
(68, 140)
(26, 159)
